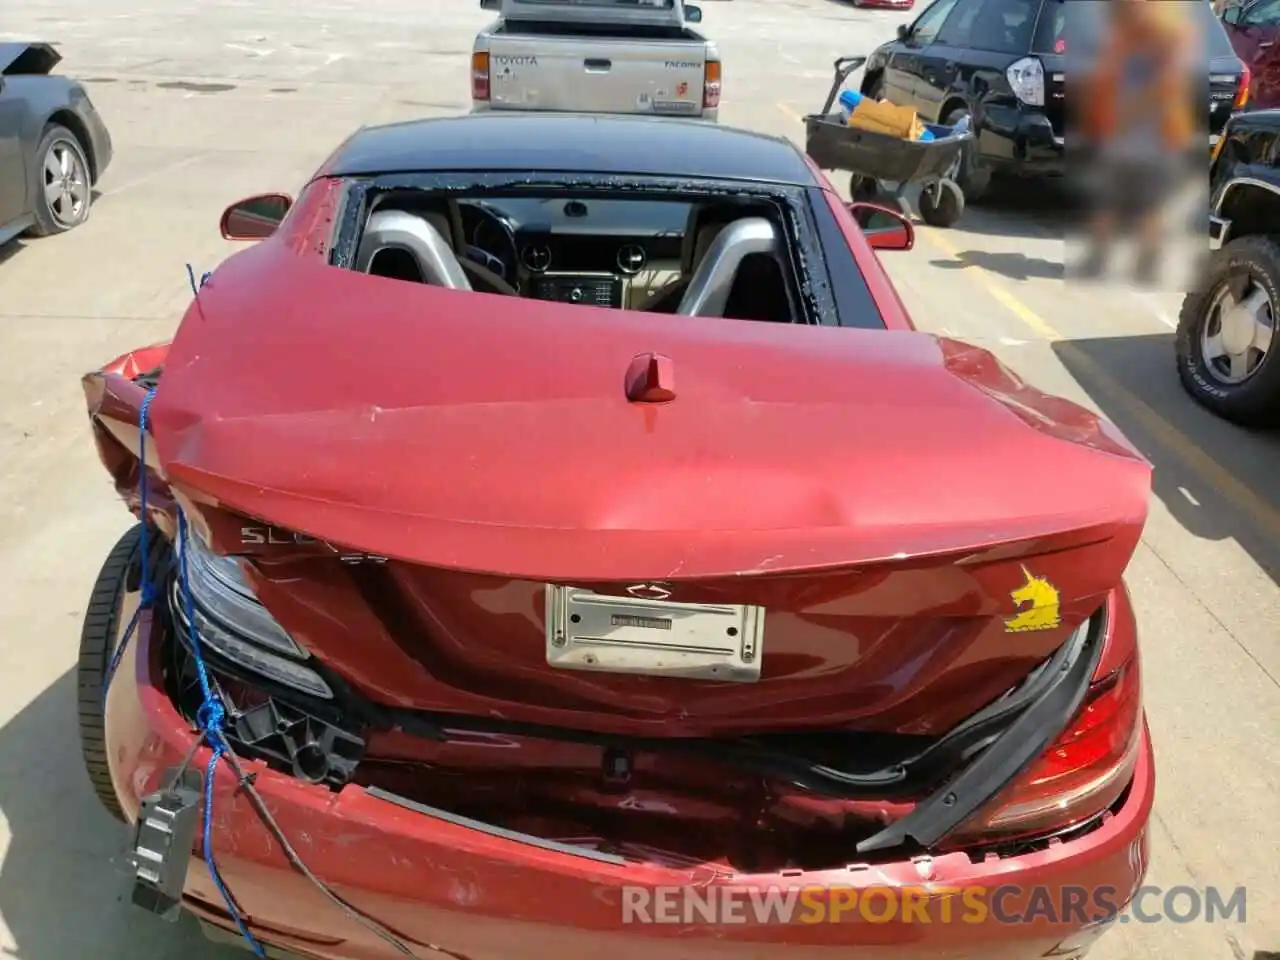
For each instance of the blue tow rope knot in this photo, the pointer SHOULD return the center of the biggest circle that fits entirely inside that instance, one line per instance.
(210, 717)
(212, 712)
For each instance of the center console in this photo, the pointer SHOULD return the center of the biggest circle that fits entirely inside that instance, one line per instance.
(589, 289)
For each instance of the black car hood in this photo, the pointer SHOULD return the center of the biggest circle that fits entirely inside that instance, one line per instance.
(28, 59)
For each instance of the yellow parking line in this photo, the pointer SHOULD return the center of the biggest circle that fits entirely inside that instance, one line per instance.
(1209, 470)
(790, 114)
(1006, 299)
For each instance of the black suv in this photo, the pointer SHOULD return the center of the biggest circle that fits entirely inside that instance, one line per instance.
(1003, 63)
(1228, 351)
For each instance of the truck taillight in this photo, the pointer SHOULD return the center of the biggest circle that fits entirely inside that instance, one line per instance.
(480, 76)
(1242, 89)
(711, 85)
(1082, 773)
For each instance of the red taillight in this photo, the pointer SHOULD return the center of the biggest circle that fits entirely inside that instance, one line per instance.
(1242, 90)
(711, 85)
(1082, 774)
(480, 76)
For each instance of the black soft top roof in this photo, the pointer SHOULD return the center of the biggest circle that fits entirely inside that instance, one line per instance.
(571, 143)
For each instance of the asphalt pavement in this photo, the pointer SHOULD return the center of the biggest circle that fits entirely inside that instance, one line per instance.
(210, 101)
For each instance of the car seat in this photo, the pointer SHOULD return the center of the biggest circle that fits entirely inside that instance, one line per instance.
(704, 225)
(759, 291)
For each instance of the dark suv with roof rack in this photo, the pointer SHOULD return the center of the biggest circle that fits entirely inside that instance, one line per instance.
(1003, 63)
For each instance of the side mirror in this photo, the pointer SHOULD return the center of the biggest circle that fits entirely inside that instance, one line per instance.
(692, 14)
(884, 229)
(254, 218)
(904, 31)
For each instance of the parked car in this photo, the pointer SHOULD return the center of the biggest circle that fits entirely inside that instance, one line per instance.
(1227, 327)
(664, 552)
(53, 144)
(1253, 28)
(1003, 63)
(601, 56)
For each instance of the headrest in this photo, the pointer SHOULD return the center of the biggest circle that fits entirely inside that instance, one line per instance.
(706, 236)
(706, 220)
(440, 222)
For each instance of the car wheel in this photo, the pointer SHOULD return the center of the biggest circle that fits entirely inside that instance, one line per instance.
(863, 189)
(973, 180)
(941, 206)
(1226, 334)
(63, 183)
(115, 596)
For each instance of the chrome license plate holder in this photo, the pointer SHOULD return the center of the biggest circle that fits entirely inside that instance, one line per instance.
(653, 638)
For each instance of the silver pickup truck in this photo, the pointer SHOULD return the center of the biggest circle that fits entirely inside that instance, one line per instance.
(596, 56)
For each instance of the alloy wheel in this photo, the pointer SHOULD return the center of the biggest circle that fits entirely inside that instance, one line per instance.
(66, 183)
(1238, 330)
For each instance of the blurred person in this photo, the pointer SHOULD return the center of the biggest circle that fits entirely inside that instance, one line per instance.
(1139, 116)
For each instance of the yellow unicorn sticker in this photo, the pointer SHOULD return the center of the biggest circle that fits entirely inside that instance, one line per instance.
(1037, 604)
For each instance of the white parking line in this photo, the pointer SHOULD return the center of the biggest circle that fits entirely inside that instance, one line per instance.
(154, 174)
(1154, 309)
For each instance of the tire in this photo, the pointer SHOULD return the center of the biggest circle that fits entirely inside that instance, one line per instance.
(947, 210)
(98, 638)
(1244, 269)
(60, 150)
(973, 180)
(863, 189)
(876, 91)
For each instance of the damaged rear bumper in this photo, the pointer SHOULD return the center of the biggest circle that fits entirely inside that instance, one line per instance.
(488, 895)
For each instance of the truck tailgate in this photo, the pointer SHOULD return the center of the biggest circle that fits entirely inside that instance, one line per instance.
(596, 74)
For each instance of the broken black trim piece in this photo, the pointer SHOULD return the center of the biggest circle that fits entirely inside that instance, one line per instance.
(1069, 673)
(526, 838)
(19, 59)
(312, 750)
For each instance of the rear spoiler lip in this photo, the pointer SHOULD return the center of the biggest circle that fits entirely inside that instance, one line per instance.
(1070, 670)
(28, 59)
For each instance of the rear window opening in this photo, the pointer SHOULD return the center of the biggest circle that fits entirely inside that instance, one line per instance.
(689, 255)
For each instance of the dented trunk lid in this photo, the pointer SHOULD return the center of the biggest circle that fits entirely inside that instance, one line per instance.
(919, 527)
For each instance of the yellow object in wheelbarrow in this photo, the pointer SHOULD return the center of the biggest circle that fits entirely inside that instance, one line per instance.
(881, 116)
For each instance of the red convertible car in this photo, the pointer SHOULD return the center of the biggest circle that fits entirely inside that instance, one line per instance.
(555, 514)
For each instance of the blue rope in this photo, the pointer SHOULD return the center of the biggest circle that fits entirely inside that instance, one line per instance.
(212, 712)
(148, 587)
(191, 278)
(209, 717)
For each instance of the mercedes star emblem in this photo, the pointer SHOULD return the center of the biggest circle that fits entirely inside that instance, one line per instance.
(649, 591)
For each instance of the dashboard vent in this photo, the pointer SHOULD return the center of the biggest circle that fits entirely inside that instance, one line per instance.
(631, 259)
(536, 259)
